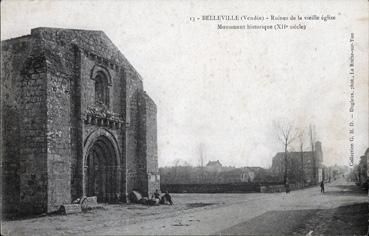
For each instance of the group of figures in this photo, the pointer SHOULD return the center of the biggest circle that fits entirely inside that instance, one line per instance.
(165, 199)
(156, 198)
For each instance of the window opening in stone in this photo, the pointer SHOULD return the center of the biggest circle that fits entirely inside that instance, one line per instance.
(101, 90)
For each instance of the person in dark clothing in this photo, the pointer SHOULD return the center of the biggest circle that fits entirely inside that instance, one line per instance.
(155, 198)
(167, 198)
(287, 186)
(322, 186)
(156, 194)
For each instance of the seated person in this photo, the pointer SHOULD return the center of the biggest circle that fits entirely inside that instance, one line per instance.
(155, 198)
(167, 198)
(156, 194)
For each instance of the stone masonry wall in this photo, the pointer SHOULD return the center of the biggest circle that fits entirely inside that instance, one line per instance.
(33, 150)
(76, 128)
(151, 145)
(133, 88)
(13, 56)
(71, 86)
(88, 100)
(59, 77)
(48, 88)
(148, 157)
(25, 139)
(142, 144)
(33, 156)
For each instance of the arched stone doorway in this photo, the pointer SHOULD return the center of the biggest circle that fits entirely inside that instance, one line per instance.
(102, 168)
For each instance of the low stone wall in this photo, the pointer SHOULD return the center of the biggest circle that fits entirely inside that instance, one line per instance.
(212, 188)
(279, 188)
(272, 189)
(229, 188)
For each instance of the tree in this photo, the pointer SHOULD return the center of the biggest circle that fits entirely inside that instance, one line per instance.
(285, 134)
(301, 138)
(187, 170)
(202, 161)
(176, 166)
(201, 154)
(312, 143)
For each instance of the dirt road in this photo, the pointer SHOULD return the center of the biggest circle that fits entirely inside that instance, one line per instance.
(342, 207)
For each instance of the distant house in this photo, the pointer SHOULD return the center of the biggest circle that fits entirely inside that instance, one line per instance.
(301, 166)
(230, 176)
(250, 173)
(244, 174)
(214, 166)
(247, 176)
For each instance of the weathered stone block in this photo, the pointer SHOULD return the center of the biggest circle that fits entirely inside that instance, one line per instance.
(70, 209)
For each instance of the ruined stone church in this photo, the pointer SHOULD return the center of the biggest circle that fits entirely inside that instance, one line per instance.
(76, 122)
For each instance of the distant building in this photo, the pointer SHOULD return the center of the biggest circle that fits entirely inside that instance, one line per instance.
(303, 167)
(244, 174)
(231, 176)
(247, 175)
(214, 166)
(253, 174)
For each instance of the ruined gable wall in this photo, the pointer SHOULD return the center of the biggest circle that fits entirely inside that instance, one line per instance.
(97, 43)
(49, 123)
(70, 93)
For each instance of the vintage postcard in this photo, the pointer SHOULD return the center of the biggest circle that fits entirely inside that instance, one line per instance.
(184, 117)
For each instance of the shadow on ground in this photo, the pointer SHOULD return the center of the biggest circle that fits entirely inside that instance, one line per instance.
(344, 220)
(345, 190)
(199, 204)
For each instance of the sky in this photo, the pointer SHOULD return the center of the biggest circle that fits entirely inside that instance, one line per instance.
(224, 89)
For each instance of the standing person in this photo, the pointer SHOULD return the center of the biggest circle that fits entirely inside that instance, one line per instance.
(322, 186)
(287, 186)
